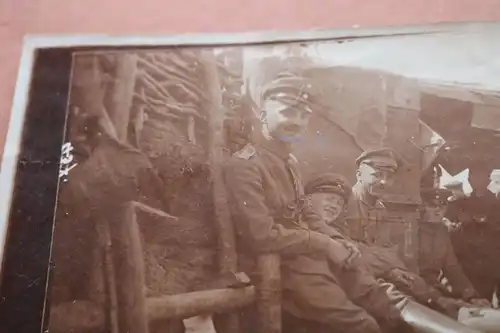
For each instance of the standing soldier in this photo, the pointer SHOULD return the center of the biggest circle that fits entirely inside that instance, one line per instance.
(108, 174)
(265, 197)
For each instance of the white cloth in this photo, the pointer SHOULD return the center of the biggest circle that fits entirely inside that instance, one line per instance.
(199, 324)
(482, 319)
(494, 186)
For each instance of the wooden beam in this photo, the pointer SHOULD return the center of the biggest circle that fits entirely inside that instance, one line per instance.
(122, 94)
(200, 302)
(269, 293)
(227, 257)
(227, 247)
(129, 267)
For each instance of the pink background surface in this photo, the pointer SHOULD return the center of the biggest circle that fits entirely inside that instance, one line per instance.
(21, 17)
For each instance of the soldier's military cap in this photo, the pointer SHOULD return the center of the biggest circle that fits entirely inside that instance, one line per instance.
(290, 89)
(329, 183)
(383, 158)
(435, 196)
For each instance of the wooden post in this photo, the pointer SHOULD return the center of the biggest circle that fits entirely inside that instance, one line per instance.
(129, 267)
(227, 250)
(269, 293)
(109, 274)
(122, 94)
(227, 256)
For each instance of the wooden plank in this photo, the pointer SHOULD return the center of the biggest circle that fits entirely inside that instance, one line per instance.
(129, 267)
(199, 302)
(269, 293)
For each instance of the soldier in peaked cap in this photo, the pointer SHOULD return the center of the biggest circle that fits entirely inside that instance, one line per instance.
(328, 194)
(266, 201)
(375, 170)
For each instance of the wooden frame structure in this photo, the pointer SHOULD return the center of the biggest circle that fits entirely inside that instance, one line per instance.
(136, 311)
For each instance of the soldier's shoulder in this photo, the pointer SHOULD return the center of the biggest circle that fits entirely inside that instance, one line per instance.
(246, 153)
(242, 161)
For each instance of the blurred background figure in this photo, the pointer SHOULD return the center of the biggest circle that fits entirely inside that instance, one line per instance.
(476, 241)
(494, 185)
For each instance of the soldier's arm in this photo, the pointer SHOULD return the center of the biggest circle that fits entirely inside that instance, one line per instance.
(454, 273)
(253, 222)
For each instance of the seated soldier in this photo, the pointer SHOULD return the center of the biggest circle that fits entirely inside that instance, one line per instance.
(376, 170)
(331, 193)
(328, 194)
(436, 254)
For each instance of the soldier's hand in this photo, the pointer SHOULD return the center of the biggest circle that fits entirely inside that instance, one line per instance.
(355, 252)
(400, 276)
(335, 250)
(450, 306)
(339, 254)
(480, 302)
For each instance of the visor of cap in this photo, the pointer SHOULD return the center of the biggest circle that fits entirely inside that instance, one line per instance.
(290, 89)
(381, 162)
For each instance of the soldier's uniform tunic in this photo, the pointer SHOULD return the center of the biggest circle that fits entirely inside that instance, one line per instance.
(264, 191)
(436, 255)
(96, 191)
(477, 244)
(363, 218)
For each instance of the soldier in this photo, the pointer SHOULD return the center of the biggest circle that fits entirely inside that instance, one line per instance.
(376, 170)
(476, 239)
(436, 254)
(109, 174)
(330, 190)
(328, 195)
(265, 197)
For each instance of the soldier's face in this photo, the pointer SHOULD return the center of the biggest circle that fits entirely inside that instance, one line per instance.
(374, 180)
(283, 122)
(328, 205)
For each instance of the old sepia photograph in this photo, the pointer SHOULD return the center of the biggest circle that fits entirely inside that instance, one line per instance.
(345, 185)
